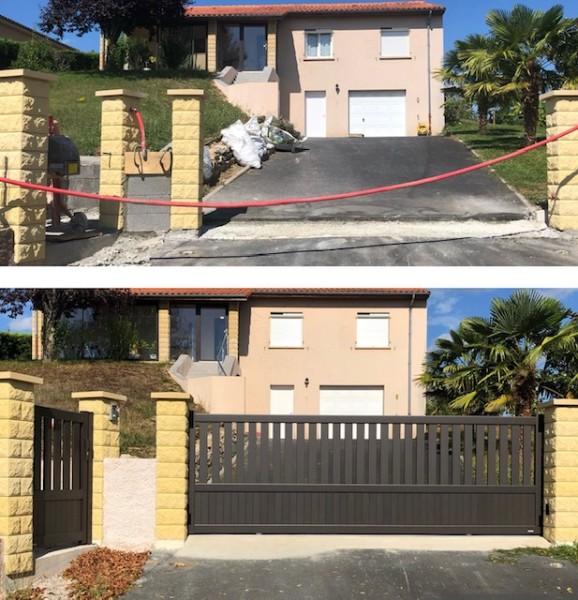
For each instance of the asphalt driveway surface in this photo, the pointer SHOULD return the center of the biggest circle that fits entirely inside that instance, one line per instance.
(365, 574)
(330, 166)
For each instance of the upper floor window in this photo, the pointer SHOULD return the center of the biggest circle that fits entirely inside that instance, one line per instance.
(286, 330)
(372, 330)
(318, 44)
(395, 43)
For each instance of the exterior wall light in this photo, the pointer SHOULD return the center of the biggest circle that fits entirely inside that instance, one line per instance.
(114, 413)
(306, 382)
(337, 88)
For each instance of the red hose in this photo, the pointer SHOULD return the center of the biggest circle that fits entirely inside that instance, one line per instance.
(141, 126)
(284, 201)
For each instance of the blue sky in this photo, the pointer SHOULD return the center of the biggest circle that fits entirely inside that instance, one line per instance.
(447, 307)
(462, 17)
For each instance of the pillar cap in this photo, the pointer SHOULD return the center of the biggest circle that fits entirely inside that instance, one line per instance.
(11, 375)
(185, 92)
(119, 93)
(561, 402)
(27, 74)
(98, 396)
(170, 396)
(559, 95)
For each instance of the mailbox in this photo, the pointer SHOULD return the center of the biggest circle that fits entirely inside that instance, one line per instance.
(63, 156)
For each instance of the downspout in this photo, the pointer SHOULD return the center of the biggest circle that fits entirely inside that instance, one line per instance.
(429, 86)
(410, 356)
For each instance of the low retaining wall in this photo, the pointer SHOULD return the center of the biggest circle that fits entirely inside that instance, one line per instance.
(129, 503)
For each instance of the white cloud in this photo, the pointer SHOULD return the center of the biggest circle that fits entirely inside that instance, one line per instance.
(442, 310)
(20, 324)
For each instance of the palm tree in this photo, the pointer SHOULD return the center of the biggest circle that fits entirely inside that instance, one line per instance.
(471, 68)
(498, 363)
(526, 40)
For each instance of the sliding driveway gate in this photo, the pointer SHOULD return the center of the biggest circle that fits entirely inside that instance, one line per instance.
(315, 474)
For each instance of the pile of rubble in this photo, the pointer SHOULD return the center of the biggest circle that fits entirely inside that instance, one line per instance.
(247, 144)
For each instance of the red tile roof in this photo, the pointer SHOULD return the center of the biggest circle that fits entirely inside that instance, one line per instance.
(246, 293)
(282, 10)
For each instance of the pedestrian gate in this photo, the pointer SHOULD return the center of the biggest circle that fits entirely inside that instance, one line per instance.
(62, 478)
(315, 474)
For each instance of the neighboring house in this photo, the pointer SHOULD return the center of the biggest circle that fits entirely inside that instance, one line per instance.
(332, 69)
(12, 30)
(288, 351)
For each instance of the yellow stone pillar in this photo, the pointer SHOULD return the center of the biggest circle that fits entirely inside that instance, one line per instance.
(105, 444)
(16, 471)
(172, 441)
(187, 171)
(23, 156)
(212, 46)
(233, 329)
(119, 134)
(164, 332)
(561, 114)
(561, 471)
(272, 44)
(37, 329)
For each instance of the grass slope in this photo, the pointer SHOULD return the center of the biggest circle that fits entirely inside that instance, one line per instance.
(134, 380)
(527, 174)
(73, 103)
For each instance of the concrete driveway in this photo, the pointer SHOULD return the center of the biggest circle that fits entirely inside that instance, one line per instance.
(345, 164)
(348, 574)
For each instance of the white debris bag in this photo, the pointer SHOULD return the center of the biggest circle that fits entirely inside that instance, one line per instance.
(244, 148)
(207, 165)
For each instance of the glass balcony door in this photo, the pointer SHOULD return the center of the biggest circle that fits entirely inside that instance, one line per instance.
(243, 47)
(198, 331)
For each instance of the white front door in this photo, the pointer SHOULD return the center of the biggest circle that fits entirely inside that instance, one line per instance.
(282, 402)
(377, 114)
(315, 114)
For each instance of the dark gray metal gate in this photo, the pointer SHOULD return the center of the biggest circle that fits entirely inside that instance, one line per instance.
(62, 478)
(304, 474)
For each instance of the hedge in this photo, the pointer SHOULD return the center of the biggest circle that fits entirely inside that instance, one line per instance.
(39, 55)
(15, 346)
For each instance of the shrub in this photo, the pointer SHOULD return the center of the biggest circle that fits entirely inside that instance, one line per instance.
(138, 53)
(8, 53)
(118, 54)
(176, 48)
(37, 55)
(457, 109)
(70, 60)
(15, 346)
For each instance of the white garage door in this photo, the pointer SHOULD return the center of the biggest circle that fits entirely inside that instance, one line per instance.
(315, 114)
(377, 114)
(355, 401)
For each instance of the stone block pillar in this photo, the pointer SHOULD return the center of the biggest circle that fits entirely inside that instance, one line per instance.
(561, 471)
(16, 471)
(187, 171)
(164, 333)
(119, 134)
(37, 332)
(212, 46)
(172, 441)
(105, 444)
(272, 43)
(233, 329)
(23, 156)
(561, 114)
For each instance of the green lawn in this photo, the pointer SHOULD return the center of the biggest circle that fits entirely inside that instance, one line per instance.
(136, 380)
(73, 103)
(527, 174)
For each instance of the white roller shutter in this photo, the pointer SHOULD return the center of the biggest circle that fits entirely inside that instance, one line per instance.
(372, 330)
(286, 330)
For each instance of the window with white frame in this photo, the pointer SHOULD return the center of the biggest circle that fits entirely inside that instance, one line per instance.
(286, 330)
(395, 43)
(372, 330)
(318, 44)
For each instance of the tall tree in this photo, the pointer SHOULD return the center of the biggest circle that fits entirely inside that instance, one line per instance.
(55, 305)
(526, 40)
(470, 68)
(508, 361)
(112, 17)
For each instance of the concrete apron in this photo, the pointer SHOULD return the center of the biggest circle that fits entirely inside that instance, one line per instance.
(278, 547)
